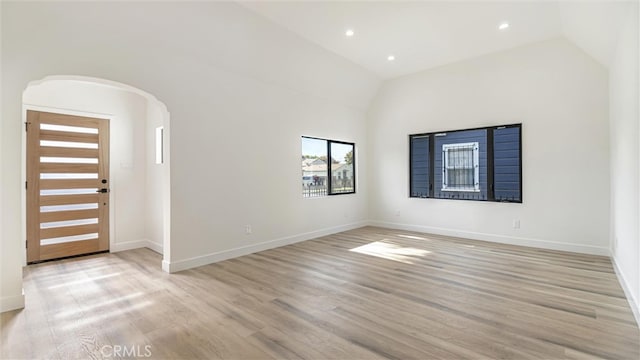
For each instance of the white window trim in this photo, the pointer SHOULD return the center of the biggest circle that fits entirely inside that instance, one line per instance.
(476, 165)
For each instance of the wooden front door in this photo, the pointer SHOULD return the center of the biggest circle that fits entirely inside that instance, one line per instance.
(67, 185)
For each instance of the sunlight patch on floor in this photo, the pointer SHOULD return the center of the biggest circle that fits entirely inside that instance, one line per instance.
(98, 305)
(391, 251)
(413, 237)
(83, 281)
(109, 316)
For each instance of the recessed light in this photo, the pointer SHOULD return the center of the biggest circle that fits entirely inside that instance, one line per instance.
(503, 26)
(349, 33)
(391, 57)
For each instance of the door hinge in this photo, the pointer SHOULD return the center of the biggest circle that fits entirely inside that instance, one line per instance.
(26, 244)
(26, 185)
(26, 125)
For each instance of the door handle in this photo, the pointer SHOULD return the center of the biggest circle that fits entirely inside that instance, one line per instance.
(103, 190)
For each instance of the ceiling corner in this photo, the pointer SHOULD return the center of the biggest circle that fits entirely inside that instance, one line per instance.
(593, 27)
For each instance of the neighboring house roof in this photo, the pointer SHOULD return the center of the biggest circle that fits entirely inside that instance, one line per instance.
(309, 162)
(339, 166)
(322, 167)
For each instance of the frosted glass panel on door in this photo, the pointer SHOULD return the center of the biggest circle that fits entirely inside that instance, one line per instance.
(51, 208)
(68, 191)
(56, 224)
(68, 176)
(68, 144)
(76, 129)
(65, 239)
(69, 160)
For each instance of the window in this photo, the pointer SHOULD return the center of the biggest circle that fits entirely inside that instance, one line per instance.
(461, 167)
(328, 167)
(477, 164)
(160, 145)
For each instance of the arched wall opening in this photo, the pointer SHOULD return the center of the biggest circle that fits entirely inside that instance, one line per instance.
(140, 186)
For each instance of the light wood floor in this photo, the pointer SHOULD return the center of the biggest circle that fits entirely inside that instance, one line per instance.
(369, 293)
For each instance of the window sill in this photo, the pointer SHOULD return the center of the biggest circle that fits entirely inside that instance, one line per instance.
(328, 195)
(460, 190)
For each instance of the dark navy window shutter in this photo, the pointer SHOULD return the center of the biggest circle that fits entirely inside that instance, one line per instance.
(419, 166)
(506, 164)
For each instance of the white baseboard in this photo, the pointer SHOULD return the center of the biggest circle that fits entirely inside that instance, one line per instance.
(154, 246)
(633, 303)
(165, 266)
(502, 239)
(193, 262)
(136, 244)
(8, 303)
(129, 245)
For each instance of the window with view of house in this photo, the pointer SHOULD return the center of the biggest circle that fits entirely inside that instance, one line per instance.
(477, 164)
(328, 167)
(460, 170)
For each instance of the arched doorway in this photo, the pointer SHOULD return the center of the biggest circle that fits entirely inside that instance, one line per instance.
(139, 210)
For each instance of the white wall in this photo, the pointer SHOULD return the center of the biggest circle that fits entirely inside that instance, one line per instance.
(241, 92)
(557, 92)
(625, 158)
(593, 26)
(11, 296)
(127, 112)
(154, 186)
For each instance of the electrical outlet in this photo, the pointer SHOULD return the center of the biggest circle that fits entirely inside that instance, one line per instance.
(247, 229)
(516, 224)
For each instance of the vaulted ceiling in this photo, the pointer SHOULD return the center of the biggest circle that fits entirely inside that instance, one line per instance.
(427, 34)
